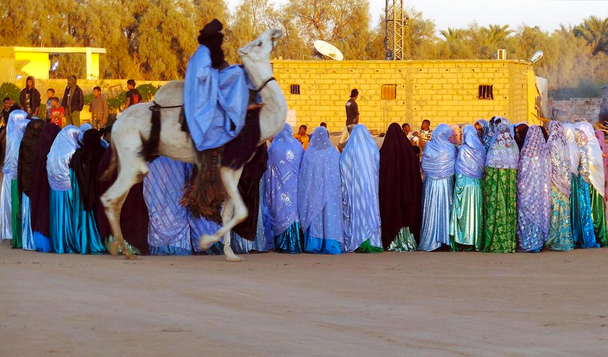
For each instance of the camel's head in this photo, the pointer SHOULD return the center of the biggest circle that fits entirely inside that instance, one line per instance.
(259, 49)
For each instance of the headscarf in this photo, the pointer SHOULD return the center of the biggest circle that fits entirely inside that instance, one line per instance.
(486, 135)
(58, 159)
(533, 179)
(400, 186)
(40, 191)
(560, 158)
(439, 154)
(284, 159)
(249, 189)
(521, 130)
(601, 138)
(83, 129)
(319, 177)
(575, 155)
(17, 121)
(85, 163)
(471, 156)
(503, 153)
(592, 162)
(26, 155)
(359, 166)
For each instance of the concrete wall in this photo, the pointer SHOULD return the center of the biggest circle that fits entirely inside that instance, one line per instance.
(584, 108)
(442, 91)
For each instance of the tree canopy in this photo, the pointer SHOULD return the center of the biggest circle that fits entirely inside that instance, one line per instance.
(153, 39)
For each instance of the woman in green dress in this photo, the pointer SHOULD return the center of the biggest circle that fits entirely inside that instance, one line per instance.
(466, 223)
(500, 191)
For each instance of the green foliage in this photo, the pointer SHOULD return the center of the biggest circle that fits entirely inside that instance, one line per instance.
(116, 103)
(153, 39)
(147, 91)
(88, 99)
(10, 90)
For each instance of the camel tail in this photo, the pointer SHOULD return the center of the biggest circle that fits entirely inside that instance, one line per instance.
(107, 176)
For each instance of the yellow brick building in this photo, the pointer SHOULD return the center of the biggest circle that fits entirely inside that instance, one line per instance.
(453, 92)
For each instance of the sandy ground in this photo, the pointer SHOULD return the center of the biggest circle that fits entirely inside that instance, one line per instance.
(390, 304)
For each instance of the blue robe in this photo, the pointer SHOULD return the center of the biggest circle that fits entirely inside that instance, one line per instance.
(215, 102)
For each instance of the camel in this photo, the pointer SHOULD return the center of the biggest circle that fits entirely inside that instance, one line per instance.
(133, 128)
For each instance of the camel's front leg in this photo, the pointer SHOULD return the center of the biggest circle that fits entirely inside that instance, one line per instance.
(230, 179)
(227, 214)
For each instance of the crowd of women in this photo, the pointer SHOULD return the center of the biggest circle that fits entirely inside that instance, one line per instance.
(500, 188)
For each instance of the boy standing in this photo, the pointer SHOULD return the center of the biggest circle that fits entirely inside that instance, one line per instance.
(99, 109)
(133, 96)
(302, 137)
(50, 93)
(30, 98)
(56, 112)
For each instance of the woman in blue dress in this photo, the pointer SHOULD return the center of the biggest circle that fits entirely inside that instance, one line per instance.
(284, 159)
(438, 160)
(320, 196)
(62, 195)
(359, 168)
(533, 192)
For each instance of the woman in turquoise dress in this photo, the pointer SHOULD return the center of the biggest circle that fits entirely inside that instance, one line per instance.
(62, 194)
(560, 228)
(466, 224)
(320, 196)
(438, 160)
(533, 192)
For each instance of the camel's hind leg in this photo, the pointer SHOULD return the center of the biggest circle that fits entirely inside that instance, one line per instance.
(113, 200)
(230, 179)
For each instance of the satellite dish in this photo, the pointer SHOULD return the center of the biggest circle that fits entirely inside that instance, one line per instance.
(537, 56)
(329, 50)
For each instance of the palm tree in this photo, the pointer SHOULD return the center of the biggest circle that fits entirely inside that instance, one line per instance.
(496, 33)
(595, 31)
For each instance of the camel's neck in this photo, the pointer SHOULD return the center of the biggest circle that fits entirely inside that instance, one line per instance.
(274, 113)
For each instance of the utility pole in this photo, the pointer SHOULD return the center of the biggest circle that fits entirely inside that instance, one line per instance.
(394, 29)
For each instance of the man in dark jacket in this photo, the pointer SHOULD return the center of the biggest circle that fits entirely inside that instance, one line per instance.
(30, 98)
(73, 101)
(9, 106)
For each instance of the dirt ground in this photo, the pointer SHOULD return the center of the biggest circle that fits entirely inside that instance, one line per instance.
(390, 304)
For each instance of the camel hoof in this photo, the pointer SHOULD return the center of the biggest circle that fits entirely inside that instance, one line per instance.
(131, 257)
(206, 242)
(234, 258)
(113, 248)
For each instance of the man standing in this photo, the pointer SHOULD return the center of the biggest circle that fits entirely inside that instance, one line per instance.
(30, 98)
(422, 136)
(8, 108)
(133, 96)
(99, 109)
(352, 118)
(73, 101)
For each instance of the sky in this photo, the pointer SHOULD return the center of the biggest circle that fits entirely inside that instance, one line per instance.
(547, 14)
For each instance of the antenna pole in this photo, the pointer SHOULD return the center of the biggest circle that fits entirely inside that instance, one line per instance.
(394, 29)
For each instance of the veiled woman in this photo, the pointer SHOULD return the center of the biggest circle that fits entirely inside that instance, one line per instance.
(24, 174)
(601, 138)
(320, 196)
(359, 168)
(438, 160)
(591, 169)
(521, 131)
(500, 191)
(83, 174)
(580, 200)
(466, 225)
(560, 227)
(484, 133)
(249, 235)
(62, 194)
(134, 217)
(169, 228)
(533, 192)
(41, 191)
(400, 192)
(11, 224)
(284, 159)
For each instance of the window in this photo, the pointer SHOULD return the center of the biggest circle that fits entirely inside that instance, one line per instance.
(389, 91)
(294, 89)
(486, 92)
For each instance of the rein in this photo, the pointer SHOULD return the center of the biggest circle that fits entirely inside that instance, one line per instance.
(265, 84)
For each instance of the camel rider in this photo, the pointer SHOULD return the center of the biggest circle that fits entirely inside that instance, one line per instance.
(216, 95)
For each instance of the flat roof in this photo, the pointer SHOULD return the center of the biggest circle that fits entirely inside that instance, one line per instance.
(58, 49)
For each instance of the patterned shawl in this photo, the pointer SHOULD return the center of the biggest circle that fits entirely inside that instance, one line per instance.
(471, 155)
(575, 155)
(533, 179)
(439, 154)
(284, 159)
(359, 166)
(593, 168)
(503, 153)
(486, 133)
(560, 158)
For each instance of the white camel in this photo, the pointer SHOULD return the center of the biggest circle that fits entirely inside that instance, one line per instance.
(134, 127)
